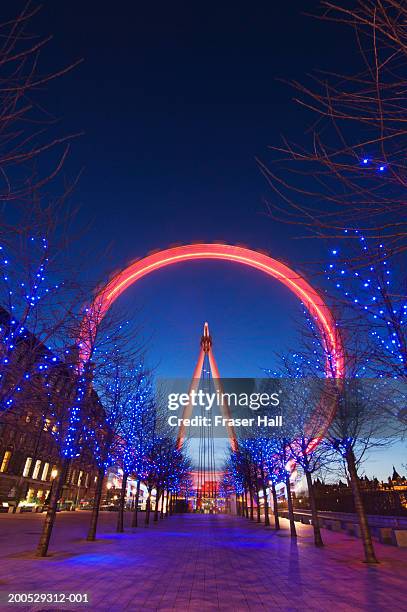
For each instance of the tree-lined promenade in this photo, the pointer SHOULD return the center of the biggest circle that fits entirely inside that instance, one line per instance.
(193, 562)
(86, 423)
(78, 397)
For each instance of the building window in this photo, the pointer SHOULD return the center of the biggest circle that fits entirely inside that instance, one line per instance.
(36, 468)
(6, 461)
(72, 480)
(27, 466)
(45, 471)
(47, 423)
(80, 478)
(87, 479)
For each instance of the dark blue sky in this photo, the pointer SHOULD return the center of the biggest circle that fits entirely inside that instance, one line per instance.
(176, 100)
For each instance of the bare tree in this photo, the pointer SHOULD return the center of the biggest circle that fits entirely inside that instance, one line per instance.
(351, 171)
(37, 290)
(355, 404)
(359, 425)
(305, 416)
(25, 126)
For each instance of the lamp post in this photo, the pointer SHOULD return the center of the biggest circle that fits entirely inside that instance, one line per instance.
(54, 474)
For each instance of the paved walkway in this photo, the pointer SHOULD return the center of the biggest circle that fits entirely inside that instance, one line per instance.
(197, 562)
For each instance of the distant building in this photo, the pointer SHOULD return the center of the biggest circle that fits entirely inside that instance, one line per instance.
(29, 459)
(387, 498)
(397, 482)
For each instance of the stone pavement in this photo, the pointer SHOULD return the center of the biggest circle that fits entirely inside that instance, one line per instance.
(197, 562)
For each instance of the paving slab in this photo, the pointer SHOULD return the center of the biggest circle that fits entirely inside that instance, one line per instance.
(196, 562)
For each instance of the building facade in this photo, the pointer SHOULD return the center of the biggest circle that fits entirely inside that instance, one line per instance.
(31, 428)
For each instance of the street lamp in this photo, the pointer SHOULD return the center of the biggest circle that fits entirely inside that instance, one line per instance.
(54, 474)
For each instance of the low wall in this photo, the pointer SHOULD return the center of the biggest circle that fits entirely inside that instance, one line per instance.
(386, 529)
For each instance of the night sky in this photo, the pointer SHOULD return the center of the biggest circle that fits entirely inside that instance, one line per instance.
(176, 100)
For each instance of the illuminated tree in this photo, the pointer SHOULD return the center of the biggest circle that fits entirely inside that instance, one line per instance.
(138, 400)
(70, 405)
(36, 309)
(118, 377)
(142, 440)
(180, 481)
(236, 478)
(80, 417)
(259, 448)
(371, 290)
(170, 469)
(280, 459)
(151, 475)
(249, 470)
(359, 421)
(38, 355)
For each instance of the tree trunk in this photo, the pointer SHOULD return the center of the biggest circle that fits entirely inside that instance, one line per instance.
(266, 507)
(370, 556)
(251, 504)
(258, 507)
(96, 505)
(56, 491)
(167, 505)
(314, 512)
(162, 505)
(246, 507)
(265, 500)
(290, 507)
(120, 515)
(134, 520)
(275, 507)
(157, 499)
(148, 508)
